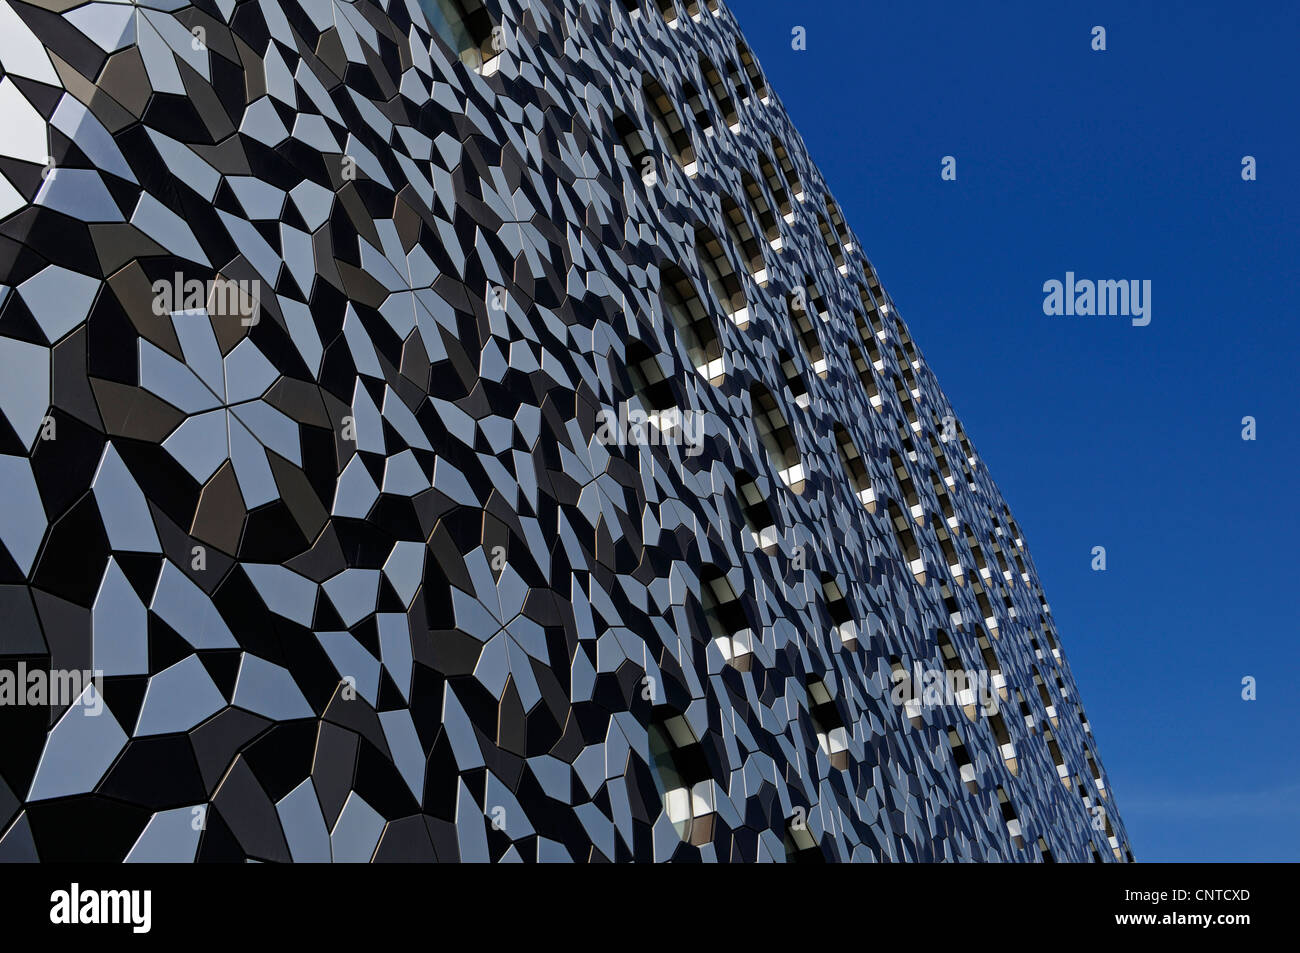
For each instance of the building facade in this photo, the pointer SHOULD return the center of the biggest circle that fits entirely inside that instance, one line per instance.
(437, 431)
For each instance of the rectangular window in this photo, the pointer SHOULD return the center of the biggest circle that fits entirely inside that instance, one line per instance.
(466, 27)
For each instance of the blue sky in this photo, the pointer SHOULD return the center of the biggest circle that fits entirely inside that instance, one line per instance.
(1117, 164)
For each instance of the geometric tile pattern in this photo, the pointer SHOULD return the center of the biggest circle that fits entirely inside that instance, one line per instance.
(309, 311)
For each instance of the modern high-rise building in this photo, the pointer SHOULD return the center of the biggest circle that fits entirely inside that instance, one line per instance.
(454, 431)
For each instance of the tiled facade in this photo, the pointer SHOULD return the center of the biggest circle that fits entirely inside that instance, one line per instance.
(364, 573)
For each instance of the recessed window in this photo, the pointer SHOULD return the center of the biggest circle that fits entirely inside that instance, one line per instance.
(1008, 604)
(913, 356)
(832, 736)
(964, 766)
(993, 666)
(872, 310)
(1058, 758)
(837, 220)
(940, 489)
(841, 613)
(466, 27)
(695, 103)
(955, 614)
(694, 8)
(905, 372)
(866, 378)
(776, 182)
(751, 69)
(907, 692)
(1003, 738)
(949, 479)
(908, 488)
(639, 154)
(905, 441)
(718, 89)
(1083, 795)
(873, 282)
(832, 245)
(652, 387)
(694, 326)
(986, 608)
(669, 124)
(870, 341)
(737, 83)
(907, 377)
(1031, 722)
(950, 556)
(757, 512)
(725, 615)
(668, 9)
(875, 317)
(1016, 535)
(1096, 773)
(742, 237)
(796, 389)
(1049, 707)
(658, 419)
(787, 169)
(966, 447)
(978, 554)
(1008, 576)
(816, 303)
(800, 845)
(907, 542)
(722, 277)
(956, 675)
(762, 211)
(777, 438)
(800, 308)
(855, 469)
(1013, 822)
(906, 406)
(1056, 654)
(681, 769)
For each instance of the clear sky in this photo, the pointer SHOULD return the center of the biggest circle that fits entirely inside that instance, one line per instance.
(1118, 164)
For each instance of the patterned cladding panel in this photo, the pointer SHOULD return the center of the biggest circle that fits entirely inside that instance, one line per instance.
(311, 327)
